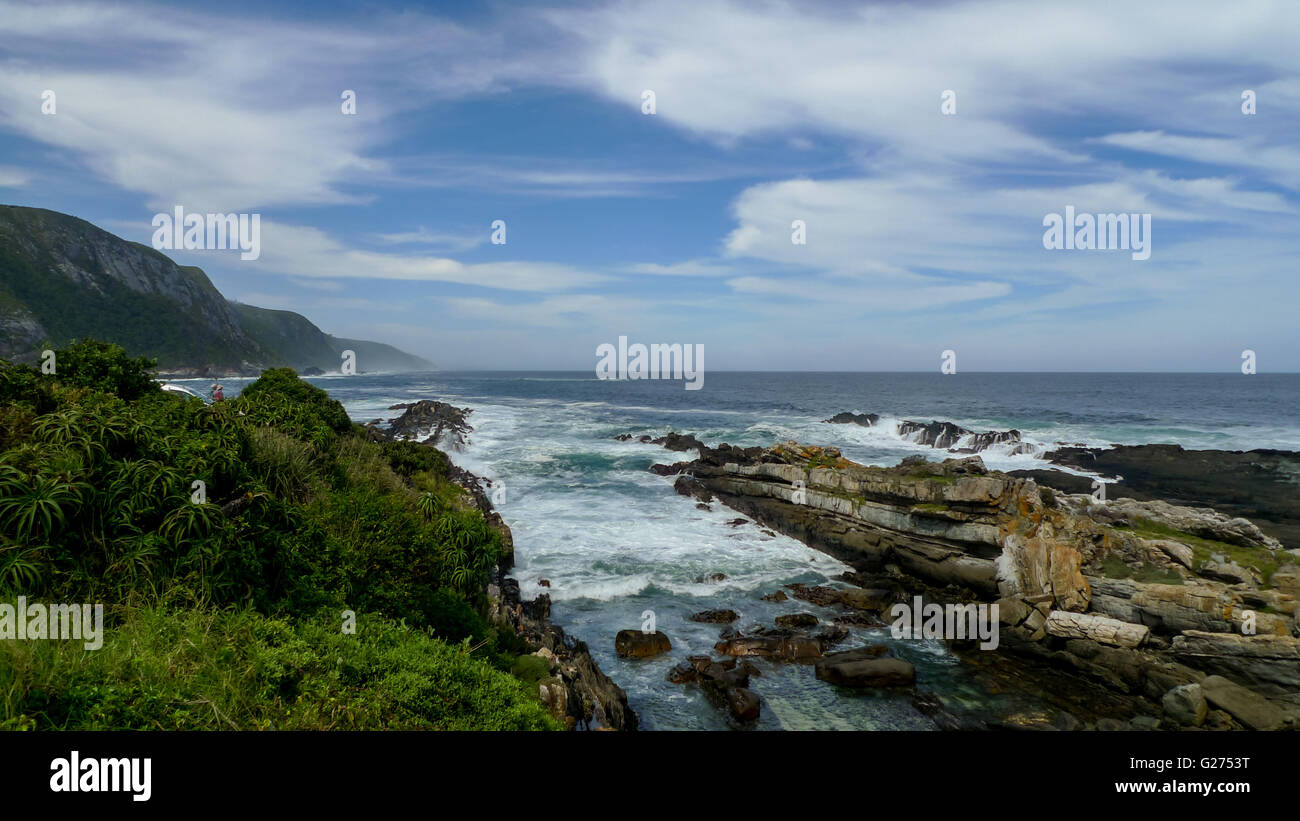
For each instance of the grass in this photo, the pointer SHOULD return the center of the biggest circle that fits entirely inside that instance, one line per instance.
(240, 670)
(1113, 567)
(931, 507)
(1259, 558)
(938, 478)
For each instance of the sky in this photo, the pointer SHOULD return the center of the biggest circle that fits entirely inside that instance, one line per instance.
(923, 228)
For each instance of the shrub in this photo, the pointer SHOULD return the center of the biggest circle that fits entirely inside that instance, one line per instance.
(103, 366)
(222, 670)
(285, 384)
(303, 516)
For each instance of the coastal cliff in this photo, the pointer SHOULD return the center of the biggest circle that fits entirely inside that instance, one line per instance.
(62, 278)
(1152, 602)
(574, 689)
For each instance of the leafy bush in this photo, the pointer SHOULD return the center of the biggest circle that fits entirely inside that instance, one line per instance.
(225, 670)
(283, 383)
(103, 366)
(408, 458)
(302, 513)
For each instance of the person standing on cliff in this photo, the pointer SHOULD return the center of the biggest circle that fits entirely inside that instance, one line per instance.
(217, 393)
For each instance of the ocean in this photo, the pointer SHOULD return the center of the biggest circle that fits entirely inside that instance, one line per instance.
(614, 540)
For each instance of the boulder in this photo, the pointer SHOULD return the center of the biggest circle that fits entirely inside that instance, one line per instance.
(1186, 705)
(637, 644)
(874, 599)
(678, 442)
(1097, 628)
(1176, 551)
(682, 673)
(432, 423)
(879, 672)
(783, 648)
(1040, 565)
(743, 703)
(1144, 723)
(831, 635)
(797, 620)
(864, 653)
(725, 684)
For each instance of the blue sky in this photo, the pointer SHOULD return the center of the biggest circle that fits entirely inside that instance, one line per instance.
(924, 230)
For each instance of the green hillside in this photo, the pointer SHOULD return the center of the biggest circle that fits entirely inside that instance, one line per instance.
(62, 278)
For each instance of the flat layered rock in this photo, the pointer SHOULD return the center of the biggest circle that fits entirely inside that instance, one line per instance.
(1251, 709)
(1097, 628)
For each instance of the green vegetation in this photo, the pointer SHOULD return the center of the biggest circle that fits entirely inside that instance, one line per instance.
(1259, 558)
(1113, 567)
(822, 460)
(937, 478)
(224, 669)
(69, 279)
(931, 507)
(226, 611)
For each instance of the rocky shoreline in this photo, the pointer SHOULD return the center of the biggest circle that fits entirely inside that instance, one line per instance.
(1260, 485)
(576, 692)
(1132, 613)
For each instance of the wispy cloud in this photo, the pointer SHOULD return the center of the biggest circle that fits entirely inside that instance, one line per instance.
(766, 113)
(14, 177)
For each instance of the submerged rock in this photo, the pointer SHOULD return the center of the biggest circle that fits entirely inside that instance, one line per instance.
(935, 434)
(869, 666)
(724, 683)
(715, 616)
(947, 435)
(743, 703)
(782, 648)
(866, 420)
(797, 620)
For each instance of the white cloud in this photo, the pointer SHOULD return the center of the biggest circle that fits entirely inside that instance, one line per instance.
(875, 73)
(306, 252)
(1277, 163)
(11, 177)
(221, 113)
(464, 241)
